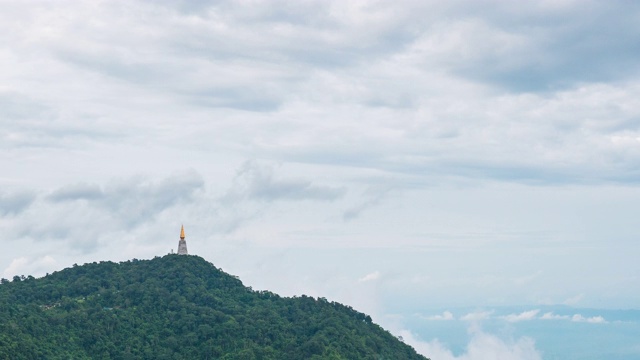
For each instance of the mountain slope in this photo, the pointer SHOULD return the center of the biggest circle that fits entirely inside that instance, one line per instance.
(177, 307)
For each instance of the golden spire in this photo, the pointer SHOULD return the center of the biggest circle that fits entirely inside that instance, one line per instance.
(182, 233)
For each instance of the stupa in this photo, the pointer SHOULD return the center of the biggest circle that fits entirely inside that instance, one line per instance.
(182, 244)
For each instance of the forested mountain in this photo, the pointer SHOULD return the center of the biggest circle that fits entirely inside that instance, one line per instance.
(177, 307)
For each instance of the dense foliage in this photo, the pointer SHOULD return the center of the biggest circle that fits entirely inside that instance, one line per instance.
(177, 307)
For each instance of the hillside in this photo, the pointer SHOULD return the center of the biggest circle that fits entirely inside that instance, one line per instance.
(177, 307)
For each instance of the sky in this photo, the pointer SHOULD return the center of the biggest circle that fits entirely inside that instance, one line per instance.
(391, 155)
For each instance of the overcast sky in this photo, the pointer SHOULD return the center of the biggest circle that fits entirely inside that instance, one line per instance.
(388, 154)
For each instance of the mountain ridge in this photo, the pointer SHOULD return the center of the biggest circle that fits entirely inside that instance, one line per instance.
(177, 307)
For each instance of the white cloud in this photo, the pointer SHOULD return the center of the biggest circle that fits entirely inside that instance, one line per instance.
(372, 198)
(370, 277)
(446, 315)
(574, 318)
(14, 204)
(573, 300)
(27, 266)
(476, 316)
(592, 320)
(482, 346)
(523, 316)
(257, 182)
(552, 316)
(326, 75)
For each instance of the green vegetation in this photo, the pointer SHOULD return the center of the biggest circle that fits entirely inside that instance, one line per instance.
(177, 307)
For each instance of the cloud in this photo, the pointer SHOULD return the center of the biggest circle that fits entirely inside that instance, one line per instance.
(31, 123)
(552, 316)
(76, 192)
(240, 98)
(592, 320)
(573, 300)
(476, 316)
(446, 315)
(482, 346)
(85, 217)
(134, 200)
(525, 315)
(27, 265)
(16, 107)
(546, 49)
(574, 318)
(323, 81)
(15, 203)
(370, 277)
(372, 198)
(257, 182)
(141, 199)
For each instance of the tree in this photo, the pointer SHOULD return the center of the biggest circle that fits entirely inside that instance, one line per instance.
(177, 307)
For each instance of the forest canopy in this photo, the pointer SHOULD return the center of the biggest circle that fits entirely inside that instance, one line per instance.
(177, 307)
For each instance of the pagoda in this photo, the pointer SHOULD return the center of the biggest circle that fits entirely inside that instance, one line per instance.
(182, 244)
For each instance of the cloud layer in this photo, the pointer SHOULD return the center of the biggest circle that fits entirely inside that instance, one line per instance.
(537, 93)
(482, 346)
(526, 315)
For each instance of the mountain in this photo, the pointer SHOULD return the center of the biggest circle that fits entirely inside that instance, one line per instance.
(177, 307)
